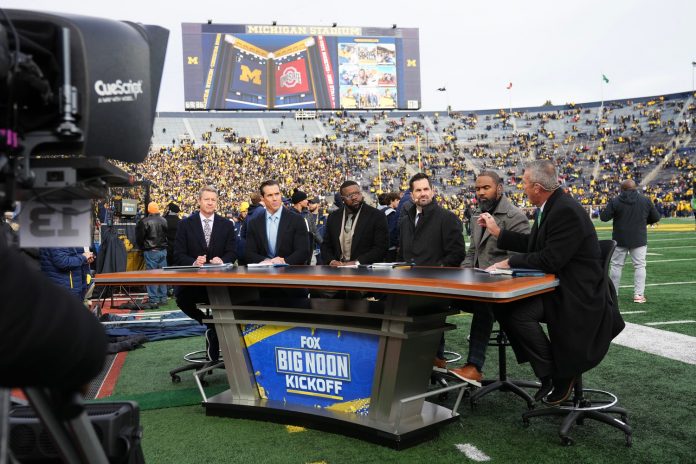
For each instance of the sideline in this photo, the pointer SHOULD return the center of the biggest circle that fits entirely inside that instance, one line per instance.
(663, 343)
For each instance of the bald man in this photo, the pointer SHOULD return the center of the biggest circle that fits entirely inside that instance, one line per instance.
(631, 212)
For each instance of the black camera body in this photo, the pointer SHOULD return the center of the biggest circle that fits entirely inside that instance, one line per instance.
(79, 88)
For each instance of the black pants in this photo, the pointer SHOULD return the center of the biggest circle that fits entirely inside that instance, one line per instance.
(188, 297)
(521, 322)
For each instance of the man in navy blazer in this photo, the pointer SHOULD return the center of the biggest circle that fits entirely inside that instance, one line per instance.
(278, 236)
(203, 238)
(355, 233)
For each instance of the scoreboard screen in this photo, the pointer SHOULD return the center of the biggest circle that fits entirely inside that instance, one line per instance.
(259, 67)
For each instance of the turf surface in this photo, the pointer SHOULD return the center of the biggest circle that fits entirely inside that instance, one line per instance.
(658, 392)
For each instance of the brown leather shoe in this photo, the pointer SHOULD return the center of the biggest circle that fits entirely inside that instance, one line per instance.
(440, 363)
(562, 389)
(468, 372)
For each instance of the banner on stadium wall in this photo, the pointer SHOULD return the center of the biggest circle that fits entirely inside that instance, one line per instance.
(313, 367)
(249, 75)
(291, 78)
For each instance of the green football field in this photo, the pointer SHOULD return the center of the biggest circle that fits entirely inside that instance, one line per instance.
(656, 387)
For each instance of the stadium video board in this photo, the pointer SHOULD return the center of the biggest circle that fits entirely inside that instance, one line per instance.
(259, 67)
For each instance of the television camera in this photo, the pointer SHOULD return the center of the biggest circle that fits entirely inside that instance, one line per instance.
(75, 92)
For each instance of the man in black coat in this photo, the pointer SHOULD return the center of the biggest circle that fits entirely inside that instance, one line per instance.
(172, 217)
(579, 316)
(277, 236)
(203, 238)
(356, 233)
(631, 213)
(430, 236)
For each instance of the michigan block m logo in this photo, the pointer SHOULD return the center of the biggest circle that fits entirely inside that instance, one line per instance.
(250, 76)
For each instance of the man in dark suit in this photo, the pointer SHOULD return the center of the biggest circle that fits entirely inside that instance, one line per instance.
(430, 236)
(278, 236)
(580, 323)
(356, 233)
(203, 238)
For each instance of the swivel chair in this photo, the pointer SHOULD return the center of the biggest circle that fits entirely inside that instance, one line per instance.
(599, 404)
(499, 339)
(197, 359)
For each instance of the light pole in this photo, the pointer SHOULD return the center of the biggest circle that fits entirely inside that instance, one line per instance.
(379, 164)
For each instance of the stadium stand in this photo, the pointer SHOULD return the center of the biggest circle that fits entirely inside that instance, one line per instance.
(595, 145)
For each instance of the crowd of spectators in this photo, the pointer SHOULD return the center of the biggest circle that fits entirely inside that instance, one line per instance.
(595, 148)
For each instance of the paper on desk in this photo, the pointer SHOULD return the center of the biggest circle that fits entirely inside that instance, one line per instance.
(261, 265)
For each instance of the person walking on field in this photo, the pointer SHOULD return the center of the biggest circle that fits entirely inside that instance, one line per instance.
(631, 213)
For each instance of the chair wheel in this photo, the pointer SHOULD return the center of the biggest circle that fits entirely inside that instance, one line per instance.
(567, 441)
(176, 379)
(624, 419)
(629, 441)
(204, 383)
(531, 406)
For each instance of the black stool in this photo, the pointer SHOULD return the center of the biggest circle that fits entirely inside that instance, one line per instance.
(580, 407)
(499, 339)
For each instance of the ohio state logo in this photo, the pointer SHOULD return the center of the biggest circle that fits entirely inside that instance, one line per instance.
(290, 77)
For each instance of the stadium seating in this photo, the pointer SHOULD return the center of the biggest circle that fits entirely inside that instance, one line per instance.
(595, 145)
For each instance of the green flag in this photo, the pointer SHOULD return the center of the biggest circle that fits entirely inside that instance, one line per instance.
(605, 78)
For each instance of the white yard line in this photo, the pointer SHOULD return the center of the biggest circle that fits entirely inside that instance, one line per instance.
(472, 452)
(670, 322)
(659, 285)
(669, 345)
(670, 260)
(671, 239)
(632, 312)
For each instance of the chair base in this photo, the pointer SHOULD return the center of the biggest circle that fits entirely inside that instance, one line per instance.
(579, 409)
(505, 385)
(196, 360)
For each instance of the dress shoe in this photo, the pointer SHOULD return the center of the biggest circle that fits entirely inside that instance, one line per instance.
(440, 363)
(562, 389)
(468, 373)
(545, 389)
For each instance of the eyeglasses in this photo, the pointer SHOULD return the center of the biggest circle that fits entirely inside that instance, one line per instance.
(352, 195)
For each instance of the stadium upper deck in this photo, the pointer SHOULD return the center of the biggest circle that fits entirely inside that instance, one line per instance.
(594, 144)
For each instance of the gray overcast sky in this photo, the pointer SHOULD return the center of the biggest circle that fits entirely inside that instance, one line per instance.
(555, 50)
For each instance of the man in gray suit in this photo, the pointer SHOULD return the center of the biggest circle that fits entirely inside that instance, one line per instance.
(483, 252)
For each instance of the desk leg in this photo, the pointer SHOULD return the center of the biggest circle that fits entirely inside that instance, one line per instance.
(404, 365)
(240, 374)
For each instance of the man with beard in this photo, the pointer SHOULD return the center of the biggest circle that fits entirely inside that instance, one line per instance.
(356, 233)
(580, 314)
(430, 236)
(483, 251)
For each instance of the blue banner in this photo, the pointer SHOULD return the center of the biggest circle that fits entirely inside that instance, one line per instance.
(313, 367)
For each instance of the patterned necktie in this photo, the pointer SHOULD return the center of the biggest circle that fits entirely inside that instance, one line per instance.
(206, 230)
(418, 216)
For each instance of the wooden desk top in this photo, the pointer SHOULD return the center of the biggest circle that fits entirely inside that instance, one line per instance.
(427, 281)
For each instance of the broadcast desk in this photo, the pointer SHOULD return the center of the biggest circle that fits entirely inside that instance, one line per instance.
(346, 365)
